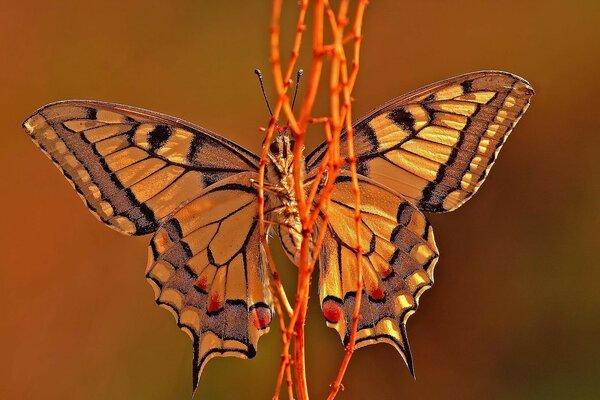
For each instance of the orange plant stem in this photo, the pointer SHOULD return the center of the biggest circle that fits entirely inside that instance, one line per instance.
(340, 87)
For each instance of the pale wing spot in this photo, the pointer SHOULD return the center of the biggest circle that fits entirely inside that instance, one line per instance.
(172, 297)
(124, 158)
(412, 185)
(162, 271)
(469, 180)
(402, 303)
(109, 146)
(104, 209)
(161, 241)
(78, 125)
(329, 277)
(389, 327)
(191, 318)
(378, 224)
(210, 208)
(388, 133)
(415, 164)
(111, 117)
(419, 114)
(496, 131)
(140, 137)
(123, 224)
(486, 147)
(155, 183)
(186, 187)
(422, 253)
(200, 260)
(455, 107)
(453, 199)
(417, 280)
(483, 97)
(453, 121)
(348, 270)
(256, 286)
(177, 147)
(417, 223)
(437, 134)
(437, 152)
(230, 242)
(347, 233)
(449, 92)
(210, 340)
(48, 134)
(136, 172)
(105, 131)
(236, 279)
(71, 162)
(385, 249)
(91, 191)
(80, 175)
(509, 102)
(478, 165)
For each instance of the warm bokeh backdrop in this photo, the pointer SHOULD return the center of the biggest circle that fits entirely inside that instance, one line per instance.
(515, 312)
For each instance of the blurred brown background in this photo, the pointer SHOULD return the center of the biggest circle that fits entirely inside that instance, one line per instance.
(515, 312)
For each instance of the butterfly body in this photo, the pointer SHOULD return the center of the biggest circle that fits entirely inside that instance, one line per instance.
(282, 201)
(142, 172)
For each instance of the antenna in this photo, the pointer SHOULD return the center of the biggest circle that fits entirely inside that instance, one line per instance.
(298, 76)
(259, 75)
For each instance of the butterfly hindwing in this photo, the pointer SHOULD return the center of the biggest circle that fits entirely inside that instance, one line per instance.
(207, 267)
(133, 167)
(399, 256)
(436, 145)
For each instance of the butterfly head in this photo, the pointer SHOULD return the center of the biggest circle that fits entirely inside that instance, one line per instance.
(281, 153)
(282, 146)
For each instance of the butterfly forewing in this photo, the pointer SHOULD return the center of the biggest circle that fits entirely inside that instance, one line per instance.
(436, 145)
(207, 268)
(133, 167)
(399, 256)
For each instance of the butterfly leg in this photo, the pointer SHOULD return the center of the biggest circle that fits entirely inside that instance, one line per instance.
(270, 188)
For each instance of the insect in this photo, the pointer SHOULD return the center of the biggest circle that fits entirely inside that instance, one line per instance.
(142, 172)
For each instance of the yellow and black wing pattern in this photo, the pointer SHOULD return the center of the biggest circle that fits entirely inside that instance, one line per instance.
(399, 256)
(207, 268)
(133, 167)
(436, 145)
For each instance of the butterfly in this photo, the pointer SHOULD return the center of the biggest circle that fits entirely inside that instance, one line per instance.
(141, 172)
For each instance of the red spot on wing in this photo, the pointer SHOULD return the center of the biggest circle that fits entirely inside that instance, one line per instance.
(261, 317)
(201, 283)
(377, 293)
(332, 311)
(386, 272)
(214, 303)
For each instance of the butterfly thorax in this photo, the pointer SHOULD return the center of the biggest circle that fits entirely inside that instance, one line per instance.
(283, 204)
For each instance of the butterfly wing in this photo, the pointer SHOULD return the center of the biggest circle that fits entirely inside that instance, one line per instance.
(440, 140)
(397, 265)
(206, 266)
(133, 167)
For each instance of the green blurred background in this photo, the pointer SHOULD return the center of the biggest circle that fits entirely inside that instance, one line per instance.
(515, 312)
